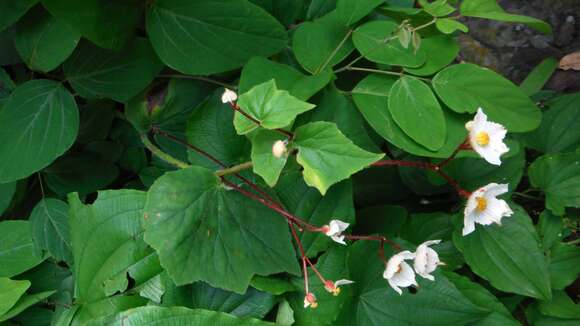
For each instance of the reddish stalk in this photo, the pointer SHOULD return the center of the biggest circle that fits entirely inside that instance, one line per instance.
(373, 238)
(463, 146)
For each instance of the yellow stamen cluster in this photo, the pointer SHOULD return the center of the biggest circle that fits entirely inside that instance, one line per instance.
(481, 204)
(482, 138)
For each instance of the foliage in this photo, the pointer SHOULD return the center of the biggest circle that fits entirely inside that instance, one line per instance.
(243, 162)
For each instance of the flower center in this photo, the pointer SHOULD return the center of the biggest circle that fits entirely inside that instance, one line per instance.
(399, 269)
(481, 203)
(482, 138)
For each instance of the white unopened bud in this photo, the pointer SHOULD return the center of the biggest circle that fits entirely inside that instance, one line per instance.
(279, 148)
(229, 96)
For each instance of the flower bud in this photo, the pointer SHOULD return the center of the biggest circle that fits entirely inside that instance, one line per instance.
(310, 301)
(279, 148)
(229, 96)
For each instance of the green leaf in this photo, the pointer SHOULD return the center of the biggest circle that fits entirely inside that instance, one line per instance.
(252, 304)
(376, 41)
(307, 203)
(106, 307)
(96, 120)
(260, 70)
(24, 303)
(273, 108)
(265, 164)
(328, 156)
(207, 36)
(44, 42)
(7, 191)
(494, 252)
(235, 238)
(560, 306)
(557, 132)
(550, 229)
(286, 11)
(322, 43)
(16, 248)
(107, 24)
(10, 292)
(318, 8)
(95, 72)
(449, 26)
(107, 240)
(40, 122)
(440, 51)
(558, 175)
(285, 314)
(489, 9)
(437, 8)
(210, 127)
(371, 96)
(351, 12)
(412, 104)
(174, 316)
(13, 10)
(50, 229)
(539, 76)
(564, 265)
(466, 87)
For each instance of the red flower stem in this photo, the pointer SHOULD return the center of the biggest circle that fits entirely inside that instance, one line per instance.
(302, 255)
(237, 108)
(463, 146)
(373, 238)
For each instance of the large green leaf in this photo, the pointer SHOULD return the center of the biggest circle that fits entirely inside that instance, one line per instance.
(558, 175)
(16, 248)
(558, 131)
(260, 70)
(44, 42)
(10, 292)
(489, 9)
(351, 12)
(412, 104)
(95, 72)
(108, 24)
(539, 76)
(24, 303)
(466, 87)
(328, 156)
(564, 265)
(106, 240)
(12, 11)
(265, 164)
(371, 96)
(307, 203)
(560, 306)
(50, 229)
(322, 43)
(174, 316)
(272, 107)
(440, 51)
(286, 11)
(375, 41)
(494, 252)
(192, 219)
(38, 123)
(7, 191)
(207, 36)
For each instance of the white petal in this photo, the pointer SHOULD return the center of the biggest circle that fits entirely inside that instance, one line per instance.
(306, 303)
(427, 276)
(420, 262)
(229, 96)
(392, 266)
(406, 254)
(430, 242)
(468, 225)
(405, 277)
(339, 239)
(395, 287)
(343, 282)
(479, 120)
(488, 154)
(494, 189)
(336, 227)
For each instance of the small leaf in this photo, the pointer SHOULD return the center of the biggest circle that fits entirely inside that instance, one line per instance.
(539, 76)
(489, 9)
(265, 164)
(449, 26)
(404, 36)
(273, 108)
(328, 156)
(416, 41)
(558, 175)
(440, 51)
(50, 230)
(352, 11)
(24, 303)
(10, 292)
(16, 249)
(437, 8)
(560, 306)
(564, 265)
(550, 229)
(7, 191)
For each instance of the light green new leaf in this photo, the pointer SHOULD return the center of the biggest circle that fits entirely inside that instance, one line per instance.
(440, 51)
(209, 36)
(265, 164)
(489, 9)
(466, 87)
(95, 72)
(24, 303)
(539, 76)
(191, 219)
(260, 70)
(44, 42)
(10, 292)
(12, 11)
(321, 44)
(371, 96)
(108, 24)
(273, 108)
(16, 248)
(494, 252)
(328, 156)
(558, 175)
(351, 11)
(174, 316)
(449, 26)
(564, 265)
(50, 229)
(38, 123)
(376, 41)
(413, 105)
(437, 8)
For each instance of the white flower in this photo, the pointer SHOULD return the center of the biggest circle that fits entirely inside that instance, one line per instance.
(229, 96)
(279, 148)
(486, 138)
(484, 208)
(398, 273)
(426, 260)
(334, 287)
(334, 230)
(310, 300)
